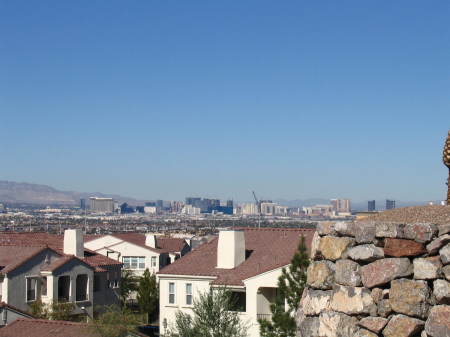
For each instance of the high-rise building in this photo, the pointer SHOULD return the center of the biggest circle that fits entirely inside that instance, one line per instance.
(229, 203)
(371, 206)
(390, 204)
(340, 205)
(101, 205)
(83, 204)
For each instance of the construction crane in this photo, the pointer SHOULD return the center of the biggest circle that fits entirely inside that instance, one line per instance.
(258, 205)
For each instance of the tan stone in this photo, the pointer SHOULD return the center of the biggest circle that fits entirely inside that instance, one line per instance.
(336, 324)
(365, 333)
(375, 324)
(409, 297)
(427, 268)
(438, 322)
(403, 326)
(332, 247)
(352, 300)
(320, 274)
(315, 301)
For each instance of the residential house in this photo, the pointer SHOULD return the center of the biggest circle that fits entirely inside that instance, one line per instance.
(138, 251)
(248, 262)
(46, 267)
(9, 314)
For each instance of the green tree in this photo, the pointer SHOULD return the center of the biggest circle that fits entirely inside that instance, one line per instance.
(147, 294)
(212, 317)
(128, 284)
(114, 322)
(291, 283)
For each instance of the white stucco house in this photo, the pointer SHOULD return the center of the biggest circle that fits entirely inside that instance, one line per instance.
(138, 251)
(41, 266)
(246, 261)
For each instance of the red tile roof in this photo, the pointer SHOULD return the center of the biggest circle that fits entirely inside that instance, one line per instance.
(56, 242)
(269, 248)
(62, 261)
(45, 328)
(12, 257)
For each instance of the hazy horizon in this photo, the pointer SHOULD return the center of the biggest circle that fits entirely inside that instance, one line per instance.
(165, 100)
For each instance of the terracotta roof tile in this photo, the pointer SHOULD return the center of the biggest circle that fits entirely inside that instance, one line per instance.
(269, 248)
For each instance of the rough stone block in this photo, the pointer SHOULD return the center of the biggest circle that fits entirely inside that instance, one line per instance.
(421, 232)
(365, 233)
(409, 297)
(444, 229)
(389, 230)
(315, 243)
(336, 324)
(384, 308)
(441, 290)
(326, 228)
(438, 322)
(347, 273)
(446, 272)
(320, 275)
(436, 244)
(445, 254)
(308, 327)
(427, 268)
(374, 324)
(315, 301)
(402, 247)
(345, 228)
(365, 333)
(365, 253)
(403, 326)
(332, 247)
(352, 300)
(383, 271)
(377, 294)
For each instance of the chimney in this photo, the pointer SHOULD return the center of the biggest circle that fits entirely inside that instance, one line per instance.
(230, 249)
(150, 240)
(73, 242)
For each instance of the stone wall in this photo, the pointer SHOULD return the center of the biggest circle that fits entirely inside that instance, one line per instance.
(377, 279)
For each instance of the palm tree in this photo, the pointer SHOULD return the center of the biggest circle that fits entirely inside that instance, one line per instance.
(446, 160)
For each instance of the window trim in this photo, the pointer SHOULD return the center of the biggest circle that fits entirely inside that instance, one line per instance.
(36, 279)
(137, 261)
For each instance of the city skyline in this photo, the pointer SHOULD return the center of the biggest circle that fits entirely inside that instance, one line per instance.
(167, 100)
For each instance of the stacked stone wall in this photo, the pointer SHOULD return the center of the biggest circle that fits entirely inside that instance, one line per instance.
(377, 279)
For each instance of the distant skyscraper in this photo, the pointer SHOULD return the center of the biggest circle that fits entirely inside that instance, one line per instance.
(101, 205)
(230, 203)
(371, 206)
(390, 204)
(83, 203)
(341, 205)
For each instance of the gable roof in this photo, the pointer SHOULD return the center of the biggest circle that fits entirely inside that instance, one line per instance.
(41, 240)
(164, 244)
(269, 248)
(17, 310)
(12, 257)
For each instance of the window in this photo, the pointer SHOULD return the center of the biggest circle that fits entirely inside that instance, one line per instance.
(171, 293)
(153, 261)
(82, 282)
(116, 284)
(44, 286)
(189, 293)
(133, 262)
(239, 300)
(31, 288)
(64, 288)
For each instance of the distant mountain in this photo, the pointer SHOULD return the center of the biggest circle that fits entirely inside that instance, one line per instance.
(302, 202)
(26, 193)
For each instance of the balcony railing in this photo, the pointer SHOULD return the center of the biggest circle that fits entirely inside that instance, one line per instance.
(267, 317)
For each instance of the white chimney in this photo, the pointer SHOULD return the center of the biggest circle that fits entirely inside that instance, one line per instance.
(73, 242)
(150, 240)
(230, 249)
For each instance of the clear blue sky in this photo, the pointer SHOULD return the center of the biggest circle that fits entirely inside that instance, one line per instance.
(164, 99)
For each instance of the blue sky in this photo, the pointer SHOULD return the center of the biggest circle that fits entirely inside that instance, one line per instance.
(164, 99)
